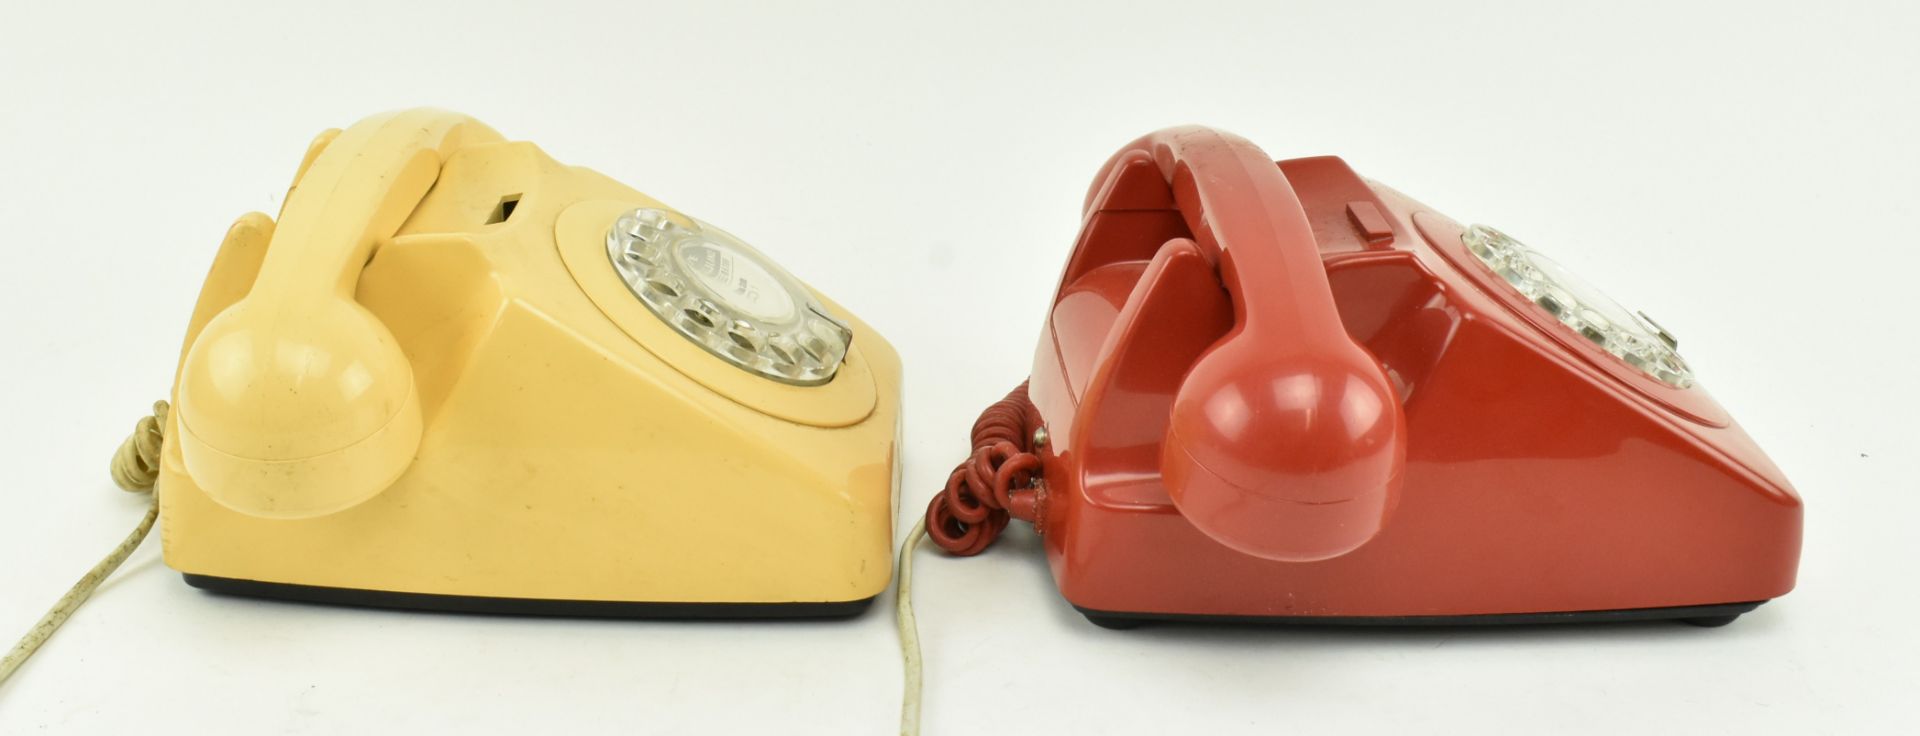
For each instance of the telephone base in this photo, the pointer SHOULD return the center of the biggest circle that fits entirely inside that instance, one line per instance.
(1708, 616)
(525, 606)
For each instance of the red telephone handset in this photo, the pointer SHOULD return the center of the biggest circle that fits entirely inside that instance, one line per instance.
(1286, 440)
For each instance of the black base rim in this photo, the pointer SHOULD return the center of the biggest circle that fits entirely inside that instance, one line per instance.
(525, 606)
(1709, 616)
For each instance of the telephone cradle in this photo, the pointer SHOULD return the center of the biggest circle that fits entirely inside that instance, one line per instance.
(1283, 393)
(456, 374)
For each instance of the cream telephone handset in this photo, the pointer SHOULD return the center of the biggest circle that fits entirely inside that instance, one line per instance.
(296, 401)
(459, 375)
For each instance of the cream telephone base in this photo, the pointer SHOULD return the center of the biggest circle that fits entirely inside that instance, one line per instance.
(458, 375)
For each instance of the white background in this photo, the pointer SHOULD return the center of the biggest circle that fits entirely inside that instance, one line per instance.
(1746, 173)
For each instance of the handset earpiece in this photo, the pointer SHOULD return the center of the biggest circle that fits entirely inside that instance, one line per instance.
(1286, 439)
(296, 401)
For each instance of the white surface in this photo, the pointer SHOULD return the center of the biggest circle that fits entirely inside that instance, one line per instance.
(1744, 173)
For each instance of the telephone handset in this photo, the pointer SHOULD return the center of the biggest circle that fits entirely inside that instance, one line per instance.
(460, 375)
(296, 401)
(1279, 392)
(1286, 439)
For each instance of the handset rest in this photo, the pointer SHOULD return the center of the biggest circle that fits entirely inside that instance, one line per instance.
(296, 401)
(1286, 439)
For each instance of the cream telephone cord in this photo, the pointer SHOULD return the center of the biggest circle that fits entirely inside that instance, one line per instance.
(909, 633)
(135, 467)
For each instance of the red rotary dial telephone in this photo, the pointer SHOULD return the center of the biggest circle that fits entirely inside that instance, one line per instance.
(1285, 393)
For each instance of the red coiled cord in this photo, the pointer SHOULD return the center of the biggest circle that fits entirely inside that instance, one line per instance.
(993, 485)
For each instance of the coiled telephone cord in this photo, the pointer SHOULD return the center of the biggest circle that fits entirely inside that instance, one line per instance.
(136, 465)
(984, 491)
(994, 484)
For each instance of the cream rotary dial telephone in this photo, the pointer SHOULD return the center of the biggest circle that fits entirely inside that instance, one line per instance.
(456, 374)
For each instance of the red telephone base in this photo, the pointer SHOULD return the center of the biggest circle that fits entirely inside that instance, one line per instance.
(1703, 616)
(1190, 475)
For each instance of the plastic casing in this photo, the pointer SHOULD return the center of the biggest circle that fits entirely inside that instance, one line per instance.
(537, 433)
(1534, 473)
